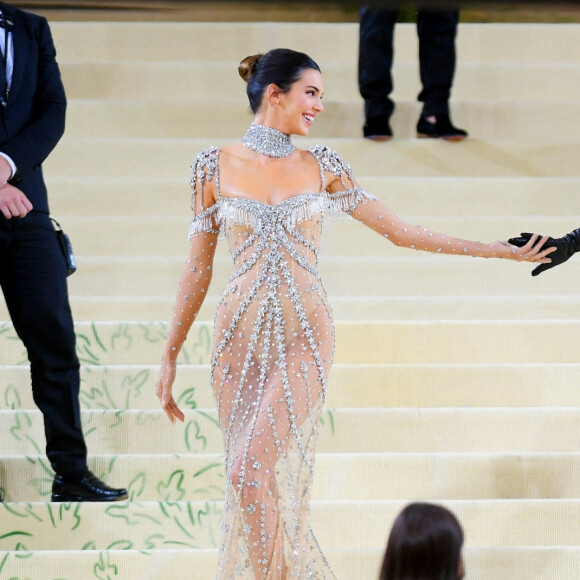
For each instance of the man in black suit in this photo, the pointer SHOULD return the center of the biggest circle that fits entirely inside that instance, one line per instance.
(32, 266)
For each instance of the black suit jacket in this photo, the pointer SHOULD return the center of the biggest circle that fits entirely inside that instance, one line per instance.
(33, 120)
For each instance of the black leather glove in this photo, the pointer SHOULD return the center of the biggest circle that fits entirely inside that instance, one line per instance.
(566, 247)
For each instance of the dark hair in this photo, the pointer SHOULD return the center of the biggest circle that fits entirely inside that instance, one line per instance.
(281, 66)
(425, 543)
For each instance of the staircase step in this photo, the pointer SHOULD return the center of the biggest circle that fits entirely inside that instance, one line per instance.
(453, 307)
(147, 157)
(147, 235)
(216, 41)
(153, 564)
(499, 43)
(338, 525)
(350, 386)
(413, 275)
(381, 342)
(459, 430)
(501, 563)
(516, 197)
(457, 342)
(183, 119)
(137, 80)
(405, 476)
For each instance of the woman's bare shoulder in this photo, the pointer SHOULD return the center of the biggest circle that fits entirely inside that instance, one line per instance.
(235, 149)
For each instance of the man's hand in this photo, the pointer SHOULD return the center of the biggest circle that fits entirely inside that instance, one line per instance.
(13, 203)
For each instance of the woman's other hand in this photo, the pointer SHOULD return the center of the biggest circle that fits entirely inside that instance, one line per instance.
(164, 389)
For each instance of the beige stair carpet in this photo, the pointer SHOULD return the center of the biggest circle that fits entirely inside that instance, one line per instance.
(456, 380)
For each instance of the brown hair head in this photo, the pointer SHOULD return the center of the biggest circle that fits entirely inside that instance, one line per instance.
(425, 544)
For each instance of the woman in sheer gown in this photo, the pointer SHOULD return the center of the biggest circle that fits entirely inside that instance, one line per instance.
(274, 332)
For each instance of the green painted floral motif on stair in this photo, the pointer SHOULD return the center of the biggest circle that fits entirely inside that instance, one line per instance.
(104, 531)
(106, 343)
(174, 473)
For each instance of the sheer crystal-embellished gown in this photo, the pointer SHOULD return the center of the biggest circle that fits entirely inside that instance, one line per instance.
(273, 349)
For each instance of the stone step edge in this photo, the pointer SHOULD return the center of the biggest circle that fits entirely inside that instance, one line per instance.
(20, 561)
(558, 322)
(324, 503)
(372, 298)
(330, 454)
(179, 180)
(242, 100)
(364, 560)
(202, 142)
(338, 365)
(109, 560)
(214, 551)
(212, 411)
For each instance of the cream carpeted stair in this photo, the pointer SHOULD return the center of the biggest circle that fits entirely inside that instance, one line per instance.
(456, 380)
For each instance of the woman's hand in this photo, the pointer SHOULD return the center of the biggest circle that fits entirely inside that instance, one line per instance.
(163, 389)
(532, 251)
(564, 248)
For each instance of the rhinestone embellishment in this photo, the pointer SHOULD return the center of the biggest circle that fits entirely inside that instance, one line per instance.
(268, 141)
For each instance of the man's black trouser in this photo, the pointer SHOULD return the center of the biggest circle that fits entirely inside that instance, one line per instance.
(436, 31)
(33, 280)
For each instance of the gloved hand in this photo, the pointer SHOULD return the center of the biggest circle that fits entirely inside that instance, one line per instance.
(566, 246)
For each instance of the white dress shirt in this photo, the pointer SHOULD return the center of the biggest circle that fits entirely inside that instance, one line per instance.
(9, 68)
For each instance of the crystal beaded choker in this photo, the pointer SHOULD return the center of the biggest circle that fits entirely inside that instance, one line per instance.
(268, 141)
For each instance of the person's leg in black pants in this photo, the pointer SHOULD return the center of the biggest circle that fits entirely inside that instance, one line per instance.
(374, 69)
(437, 32)
(33, 280)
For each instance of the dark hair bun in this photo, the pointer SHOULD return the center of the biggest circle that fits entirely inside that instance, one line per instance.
(279, 66)
(248, 65)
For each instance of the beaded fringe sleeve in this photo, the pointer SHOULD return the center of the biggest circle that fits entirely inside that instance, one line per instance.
(352, 195)
(197, 271)
(204, 169)
(209, 219)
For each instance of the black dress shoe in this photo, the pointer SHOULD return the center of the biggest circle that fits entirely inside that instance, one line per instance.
(89, 488)
(439, 127)
(378, 128)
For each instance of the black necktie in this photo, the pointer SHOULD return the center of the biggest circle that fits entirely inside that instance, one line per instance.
(6, 24)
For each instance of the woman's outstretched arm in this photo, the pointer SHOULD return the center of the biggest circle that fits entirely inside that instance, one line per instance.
(384, 221)
(347, 194)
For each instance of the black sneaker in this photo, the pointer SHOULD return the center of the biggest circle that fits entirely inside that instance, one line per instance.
(439, 127)
(378, 129)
